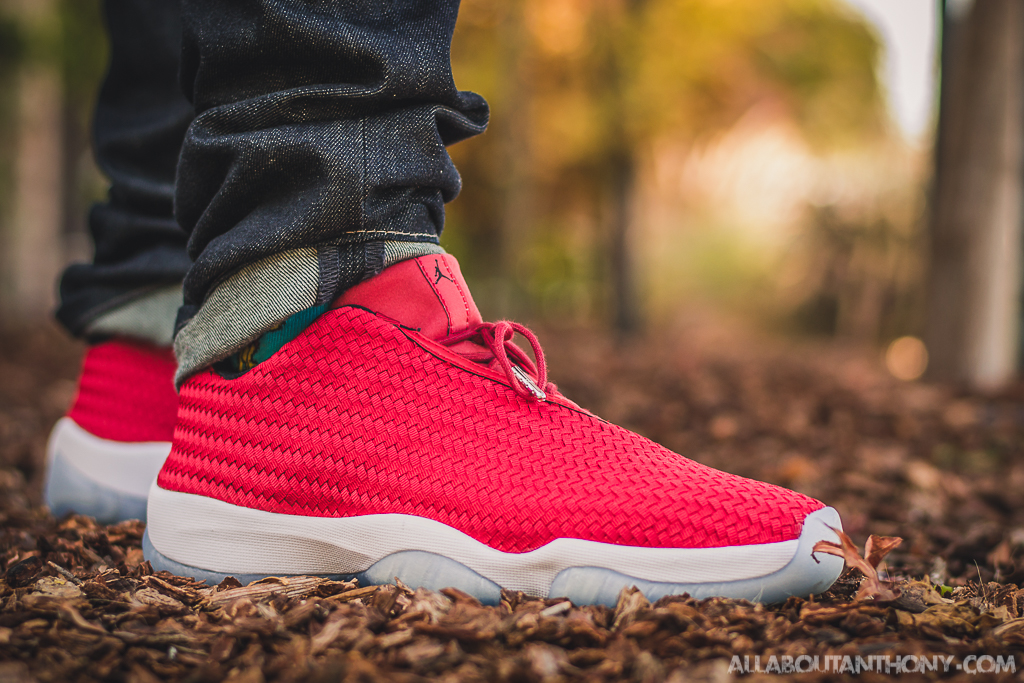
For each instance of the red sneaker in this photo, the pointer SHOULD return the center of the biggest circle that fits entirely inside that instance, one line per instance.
(103, 456)
(399, 435)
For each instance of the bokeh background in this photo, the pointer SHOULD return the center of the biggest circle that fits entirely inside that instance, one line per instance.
(649, 156)
(648, 162)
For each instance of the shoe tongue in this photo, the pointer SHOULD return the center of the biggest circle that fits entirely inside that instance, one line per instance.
(425, 293)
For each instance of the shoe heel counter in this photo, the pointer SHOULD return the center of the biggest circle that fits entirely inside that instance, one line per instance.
(221, 434)
(126, 393)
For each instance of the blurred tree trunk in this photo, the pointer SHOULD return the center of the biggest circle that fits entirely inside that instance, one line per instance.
(34, 254)
(622, 164)
(516, 195)
(74, 145)
(625, 301)
(975, 260)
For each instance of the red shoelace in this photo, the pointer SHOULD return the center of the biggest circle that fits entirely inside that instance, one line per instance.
(529, 380)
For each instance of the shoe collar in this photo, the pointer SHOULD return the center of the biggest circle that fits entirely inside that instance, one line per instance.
(427, 294)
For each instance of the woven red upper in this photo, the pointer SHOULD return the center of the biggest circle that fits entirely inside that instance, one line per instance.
(359, 415)
(126, 392)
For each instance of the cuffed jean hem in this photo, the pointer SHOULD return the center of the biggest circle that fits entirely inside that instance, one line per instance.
(149, 317)
(262, 295)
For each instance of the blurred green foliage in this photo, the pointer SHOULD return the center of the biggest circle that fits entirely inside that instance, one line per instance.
(66, 36)
(11, 47)
(574, 83)
(84, 52)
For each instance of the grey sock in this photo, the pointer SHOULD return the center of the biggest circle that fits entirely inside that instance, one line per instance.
(149, 317)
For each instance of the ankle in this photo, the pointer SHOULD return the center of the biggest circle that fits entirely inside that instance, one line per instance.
(265, 305)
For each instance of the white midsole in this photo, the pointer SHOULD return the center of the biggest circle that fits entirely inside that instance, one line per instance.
(220, 537)
(128, 468)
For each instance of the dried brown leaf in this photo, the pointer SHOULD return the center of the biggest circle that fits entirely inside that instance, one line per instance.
(878, 547)
(917, 596)
(846, 550)
(872, 586)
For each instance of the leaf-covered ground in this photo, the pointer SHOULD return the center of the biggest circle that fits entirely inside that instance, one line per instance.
(940, 467)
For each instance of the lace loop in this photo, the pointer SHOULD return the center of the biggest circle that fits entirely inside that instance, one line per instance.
(528, 379)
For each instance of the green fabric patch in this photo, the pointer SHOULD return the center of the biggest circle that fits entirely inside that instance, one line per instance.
(271, 342)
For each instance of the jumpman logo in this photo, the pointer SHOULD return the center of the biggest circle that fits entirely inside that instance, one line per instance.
(438, 275)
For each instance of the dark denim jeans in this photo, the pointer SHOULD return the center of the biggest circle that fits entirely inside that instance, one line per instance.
(319, 133)
(140, 121)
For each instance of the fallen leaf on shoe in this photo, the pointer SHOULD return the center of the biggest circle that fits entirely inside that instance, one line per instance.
(876, 548)
(846, 550)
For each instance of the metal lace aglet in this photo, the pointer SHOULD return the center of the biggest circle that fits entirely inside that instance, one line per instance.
(528, 382)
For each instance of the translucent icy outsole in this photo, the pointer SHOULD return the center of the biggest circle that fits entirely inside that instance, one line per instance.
(416, 569)
(108, 480)
(69, 490)
(804, 575)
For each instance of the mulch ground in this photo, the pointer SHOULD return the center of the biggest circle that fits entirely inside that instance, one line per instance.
(941, 467)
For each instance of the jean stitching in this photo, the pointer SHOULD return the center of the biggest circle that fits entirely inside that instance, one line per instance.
(364, 185)
(329, 264)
